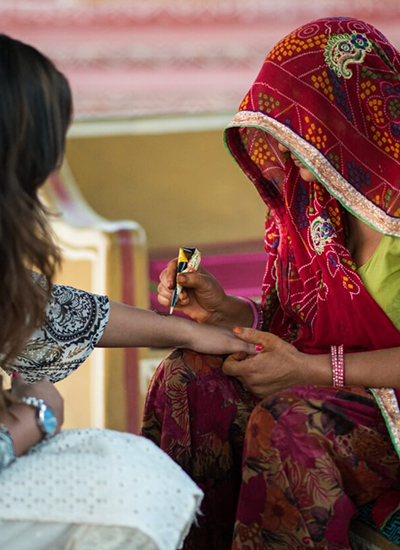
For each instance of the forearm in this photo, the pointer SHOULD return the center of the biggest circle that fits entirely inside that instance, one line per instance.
(134, 327)
(373, 369)
(20, 420)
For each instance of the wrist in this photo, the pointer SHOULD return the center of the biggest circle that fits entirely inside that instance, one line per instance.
(233, 312)
(258, 313)
(7, 451)
(45, 416)
(20, 420)
(317, 369)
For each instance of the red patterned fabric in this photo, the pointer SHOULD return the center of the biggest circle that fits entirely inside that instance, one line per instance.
(286, 473)
(330, 91)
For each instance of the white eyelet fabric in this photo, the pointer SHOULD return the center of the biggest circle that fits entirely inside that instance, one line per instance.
(29, 535)
(100, 479)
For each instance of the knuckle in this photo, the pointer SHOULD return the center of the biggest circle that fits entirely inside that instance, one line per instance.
(162, 301)
(162, 291)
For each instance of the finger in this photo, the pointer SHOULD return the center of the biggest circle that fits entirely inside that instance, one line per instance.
(164, 292)
(164, 297)
(252, 350)
(165, 280)
(163, 289)
(239, 355)
(183, 299)
(253, 336)
(233, 367)
(163, 301)
(17, 382)
(170, 274)
(195, 280)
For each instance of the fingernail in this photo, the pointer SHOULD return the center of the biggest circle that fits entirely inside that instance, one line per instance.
(182, 278)
(237, 330)
(258, 347)
(15, 374)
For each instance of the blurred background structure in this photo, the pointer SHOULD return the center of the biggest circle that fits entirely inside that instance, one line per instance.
(128, 58)
(154, 83)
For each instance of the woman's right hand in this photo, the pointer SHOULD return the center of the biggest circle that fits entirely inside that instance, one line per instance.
(202, 298)
(41, 390)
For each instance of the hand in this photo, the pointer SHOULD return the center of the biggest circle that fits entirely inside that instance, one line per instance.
(278, 366)
(41, 390)
(202, 297)
(216, 341)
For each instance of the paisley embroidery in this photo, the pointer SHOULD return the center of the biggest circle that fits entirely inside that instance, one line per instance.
(344, 49)
(322, 233)
(75, 321)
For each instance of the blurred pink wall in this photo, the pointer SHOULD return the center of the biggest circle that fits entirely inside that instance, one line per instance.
(148, 57)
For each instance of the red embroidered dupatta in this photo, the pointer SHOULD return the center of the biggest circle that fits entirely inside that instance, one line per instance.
(330, 92)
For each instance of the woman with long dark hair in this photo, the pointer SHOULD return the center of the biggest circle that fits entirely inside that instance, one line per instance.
(89, 488)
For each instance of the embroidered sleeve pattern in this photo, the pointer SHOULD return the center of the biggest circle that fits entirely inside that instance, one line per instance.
(7, 453)
(75, 322)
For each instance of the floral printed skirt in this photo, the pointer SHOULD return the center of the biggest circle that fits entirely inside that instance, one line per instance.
(288, 472)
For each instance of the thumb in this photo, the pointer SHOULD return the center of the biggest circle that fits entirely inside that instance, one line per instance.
(239, 356)
(234, 365)
(17, 382)
(253, 336)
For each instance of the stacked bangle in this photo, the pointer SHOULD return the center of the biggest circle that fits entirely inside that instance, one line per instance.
(7, 451)
(258, 313)
(337, 359)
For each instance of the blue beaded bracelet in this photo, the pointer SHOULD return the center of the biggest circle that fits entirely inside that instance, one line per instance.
(7, 451)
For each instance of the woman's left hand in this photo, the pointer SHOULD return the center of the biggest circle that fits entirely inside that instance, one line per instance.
(278, 365)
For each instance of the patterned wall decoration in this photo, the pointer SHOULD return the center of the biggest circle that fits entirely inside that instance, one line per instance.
(130, 58)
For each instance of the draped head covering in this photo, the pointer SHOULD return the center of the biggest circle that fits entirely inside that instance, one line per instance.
(330, 92)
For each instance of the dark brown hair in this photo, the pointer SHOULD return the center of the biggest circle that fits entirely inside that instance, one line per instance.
(35, 111)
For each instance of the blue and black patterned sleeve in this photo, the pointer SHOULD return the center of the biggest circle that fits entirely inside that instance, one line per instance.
(75, 321)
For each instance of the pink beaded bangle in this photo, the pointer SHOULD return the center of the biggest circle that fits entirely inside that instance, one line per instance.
(337, 359)
(258, 314)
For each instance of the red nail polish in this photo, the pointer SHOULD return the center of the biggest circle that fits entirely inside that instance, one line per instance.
(15, 374)
(258, 347)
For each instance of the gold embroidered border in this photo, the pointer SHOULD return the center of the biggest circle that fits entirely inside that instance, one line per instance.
(335, 183)
(389, 407)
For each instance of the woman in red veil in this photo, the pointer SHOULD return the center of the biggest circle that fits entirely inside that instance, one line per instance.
(287, 445)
